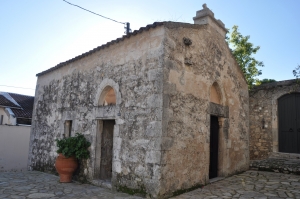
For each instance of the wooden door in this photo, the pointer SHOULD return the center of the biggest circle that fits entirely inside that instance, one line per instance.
(289, 123)
(107, 150)
(214, 147)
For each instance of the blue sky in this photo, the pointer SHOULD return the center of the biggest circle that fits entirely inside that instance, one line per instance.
(37, 35)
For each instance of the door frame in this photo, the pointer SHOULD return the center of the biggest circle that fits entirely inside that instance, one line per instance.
(215, 143)
(222, 112)
(99, 134)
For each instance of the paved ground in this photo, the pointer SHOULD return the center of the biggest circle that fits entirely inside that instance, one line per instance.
(277, 165)
(251, 184)
(33, 184)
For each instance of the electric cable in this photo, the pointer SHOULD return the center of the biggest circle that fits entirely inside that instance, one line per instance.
(17, 87)
(94, 12)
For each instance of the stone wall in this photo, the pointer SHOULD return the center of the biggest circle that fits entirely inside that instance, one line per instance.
(14, 145)
(162, 79)
(133, 68)
(191, 69)
(263, 117)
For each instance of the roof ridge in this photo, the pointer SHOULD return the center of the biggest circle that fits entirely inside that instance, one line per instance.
(10, 98)
(135, 32)
(149, 26)
(21, 94)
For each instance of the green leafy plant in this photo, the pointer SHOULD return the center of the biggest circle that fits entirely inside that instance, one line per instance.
(296, 72)
(243, 51)
(74, 146)
(264, 81)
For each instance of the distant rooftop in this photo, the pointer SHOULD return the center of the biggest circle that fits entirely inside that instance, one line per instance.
(20, 105)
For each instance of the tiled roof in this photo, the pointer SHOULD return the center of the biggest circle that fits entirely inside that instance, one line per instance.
(26, 102)
(6, 102)
(154, 25)
(20, 105)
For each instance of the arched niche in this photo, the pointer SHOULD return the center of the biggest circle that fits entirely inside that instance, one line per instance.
(107, 97)
(106, 129)
(215, 94)
(107, 93)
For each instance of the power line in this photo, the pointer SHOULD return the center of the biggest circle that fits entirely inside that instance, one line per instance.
(94, 12)
(17, 87)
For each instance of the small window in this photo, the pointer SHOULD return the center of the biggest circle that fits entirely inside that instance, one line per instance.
(68, 128)
(23, 121)
(1, 119)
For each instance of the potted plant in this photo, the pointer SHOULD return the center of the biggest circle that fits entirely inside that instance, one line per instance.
(70, 149)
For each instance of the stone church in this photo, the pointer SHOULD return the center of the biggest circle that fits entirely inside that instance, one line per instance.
(165, 107)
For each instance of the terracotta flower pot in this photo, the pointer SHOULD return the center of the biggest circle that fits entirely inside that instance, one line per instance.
(65, 167)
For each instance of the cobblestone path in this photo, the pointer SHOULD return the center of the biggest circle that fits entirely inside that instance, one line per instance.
(277, 165)
(34, 184)
(250, 184)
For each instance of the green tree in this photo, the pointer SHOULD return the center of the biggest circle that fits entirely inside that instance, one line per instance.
(296, 72)
(264, 81)
(243, 52)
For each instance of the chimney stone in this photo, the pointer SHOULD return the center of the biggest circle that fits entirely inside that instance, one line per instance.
(206, 16)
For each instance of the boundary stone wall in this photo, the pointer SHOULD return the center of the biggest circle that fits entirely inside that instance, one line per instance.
(14, 147)
(263, 116)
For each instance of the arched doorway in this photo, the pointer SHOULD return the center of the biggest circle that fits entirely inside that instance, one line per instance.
(215, 98)
(104, 138)
(289, 123)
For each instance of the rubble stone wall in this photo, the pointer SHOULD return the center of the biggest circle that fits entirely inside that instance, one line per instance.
(133, 68)
(162, 79)
(196, 57)
(263, 118)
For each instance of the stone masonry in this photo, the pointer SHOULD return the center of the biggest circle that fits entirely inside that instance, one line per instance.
(163, 76)
(190, 72)
(264, 117)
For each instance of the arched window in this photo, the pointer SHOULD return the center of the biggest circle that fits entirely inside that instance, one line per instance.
(215, 96)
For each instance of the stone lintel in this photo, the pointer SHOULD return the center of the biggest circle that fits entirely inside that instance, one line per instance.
(106, 112)
(218, 110)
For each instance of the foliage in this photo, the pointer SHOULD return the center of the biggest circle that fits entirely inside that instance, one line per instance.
(296, 72)
(141, 191)
(77, 146)
(264, 81)
(243, 52)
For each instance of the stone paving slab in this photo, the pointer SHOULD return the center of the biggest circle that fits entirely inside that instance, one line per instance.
(250, 184)
(277, 165)
(34, 184)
